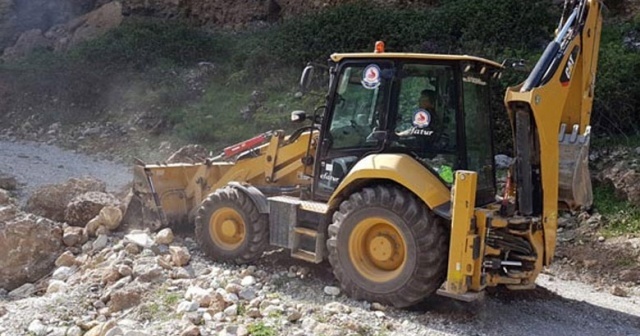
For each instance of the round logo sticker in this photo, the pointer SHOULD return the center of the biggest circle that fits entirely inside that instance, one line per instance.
(421, 119)
(371, 77)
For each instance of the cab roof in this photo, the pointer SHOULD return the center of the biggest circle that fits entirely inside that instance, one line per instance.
(440, 57)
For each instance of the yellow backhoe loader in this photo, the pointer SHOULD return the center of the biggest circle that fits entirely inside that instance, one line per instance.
(393, 181)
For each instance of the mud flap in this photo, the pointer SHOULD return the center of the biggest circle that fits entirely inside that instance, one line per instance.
(143, 208)
(574, 180)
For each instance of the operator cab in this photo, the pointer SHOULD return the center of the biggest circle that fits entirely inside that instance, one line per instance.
(435, 108)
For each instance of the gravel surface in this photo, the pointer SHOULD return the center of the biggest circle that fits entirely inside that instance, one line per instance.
(557, 307)
(35, 164)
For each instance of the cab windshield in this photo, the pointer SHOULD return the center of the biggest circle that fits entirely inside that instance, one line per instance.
(360, 98)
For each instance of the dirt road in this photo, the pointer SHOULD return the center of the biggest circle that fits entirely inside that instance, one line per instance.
(34, 164)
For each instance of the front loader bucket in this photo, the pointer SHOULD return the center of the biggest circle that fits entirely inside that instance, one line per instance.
(574, 180)
(143, 210)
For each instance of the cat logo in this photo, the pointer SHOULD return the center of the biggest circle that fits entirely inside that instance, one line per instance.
(565, 76)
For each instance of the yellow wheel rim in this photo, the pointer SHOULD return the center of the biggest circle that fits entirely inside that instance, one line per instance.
(227, 228)
(377, 249)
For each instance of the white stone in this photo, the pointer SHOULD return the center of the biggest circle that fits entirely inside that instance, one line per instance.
(187, 306)
(242, 331)
(231, 310)
(37, 328)
(231, 298)
(62, 273)
(332, 290)
(100, 242)
(74, 331)
(248, 281)
(165, 237)
(247, 294)
(56, 286)
(215, 284)
(141, 239)
(309, 323)
(202, 296)
(273, 310)
(136, 333)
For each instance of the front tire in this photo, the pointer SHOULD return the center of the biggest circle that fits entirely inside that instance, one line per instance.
(385, 246)
(229, 227)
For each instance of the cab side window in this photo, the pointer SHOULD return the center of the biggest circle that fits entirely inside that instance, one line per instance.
(425, 121)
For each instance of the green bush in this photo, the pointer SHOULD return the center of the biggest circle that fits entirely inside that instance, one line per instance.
(617, 94)
(487, 26)
(622, 217)
(144, 44)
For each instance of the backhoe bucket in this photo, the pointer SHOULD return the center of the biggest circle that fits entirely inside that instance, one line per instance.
(143, 210)
(574, 180)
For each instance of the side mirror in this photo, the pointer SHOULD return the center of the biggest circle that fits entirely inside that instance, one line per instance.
(298, 116)
(305, 79)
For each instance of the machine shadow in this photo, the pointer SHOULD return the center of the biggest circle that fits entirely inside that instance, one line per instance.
(502, 312)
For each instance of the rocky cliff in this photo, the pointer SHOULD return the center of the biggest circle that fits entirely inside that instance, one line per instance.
(19, 16)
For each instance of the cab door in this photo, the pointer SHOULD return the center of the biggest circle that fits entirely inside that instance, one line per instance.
(354, 122)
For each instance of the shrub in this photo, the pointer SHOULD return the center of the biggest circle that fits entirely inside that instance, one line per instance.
(617, 94)
(143, 44)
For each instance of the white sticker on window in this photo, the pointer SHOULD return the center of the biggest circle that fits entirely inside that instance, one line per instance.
(371, 77)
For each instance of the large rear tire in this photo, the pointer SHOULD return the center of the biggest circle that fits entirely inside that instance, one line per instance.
(229, 227)
(385, 246)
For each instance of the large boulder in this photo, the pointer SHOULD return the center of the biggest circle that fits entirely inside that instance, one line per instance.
(29, 246)
(8, 182)
(624, 180)
(87, 206)
(51, 201)
(27, 42)
(189, 154)
(96, 23)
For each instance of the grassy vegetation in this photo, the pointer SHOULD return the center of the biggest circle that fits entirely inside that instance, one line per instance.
(621, 217)
(616, 140)
(261, 329)
(155, 52)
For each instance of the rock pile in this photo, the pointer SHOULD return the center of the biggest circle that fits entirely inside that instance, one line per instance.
(140, 283)
(31, 243)
(51, 201)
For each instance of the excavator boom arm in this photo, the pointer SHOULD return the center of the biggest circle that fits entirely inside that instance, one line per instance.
(550, 114)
